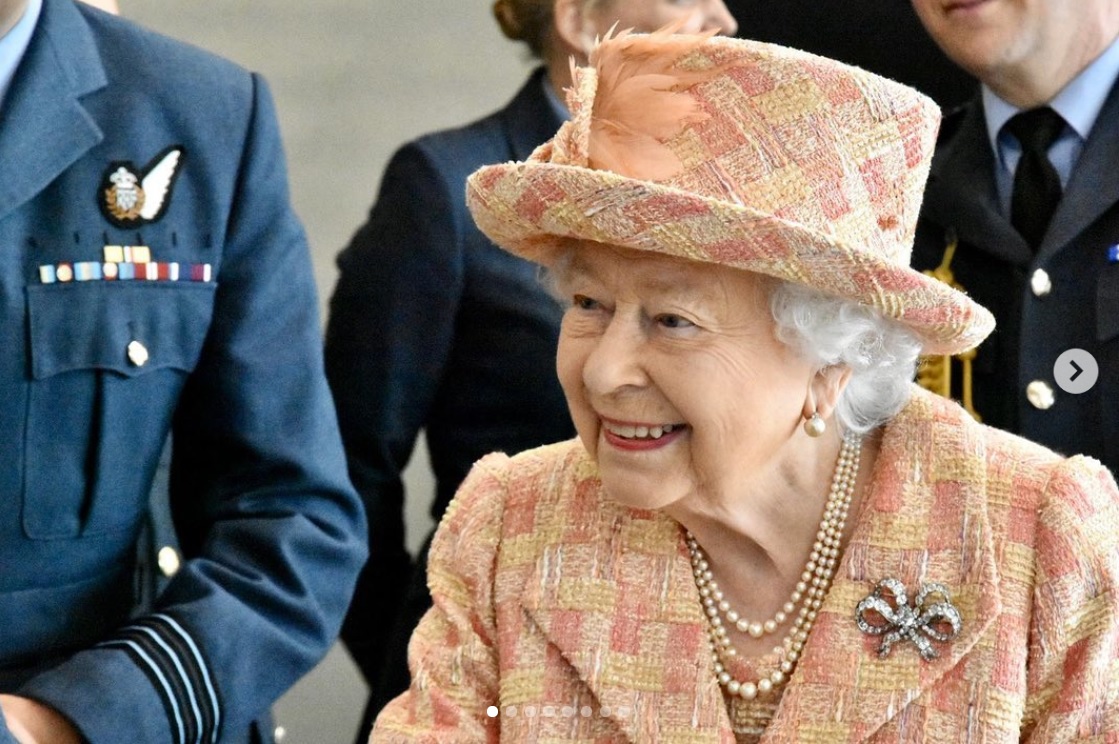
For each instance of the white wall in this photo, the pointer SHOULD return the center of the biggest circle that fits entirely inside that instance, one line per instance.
(353, 79)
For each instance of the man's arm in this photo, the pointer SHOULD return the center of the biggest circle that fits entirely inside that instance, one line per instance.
(271, 529)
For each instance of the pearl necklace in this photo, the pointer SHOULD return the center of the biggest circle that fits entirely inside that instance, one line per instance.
(809, 592)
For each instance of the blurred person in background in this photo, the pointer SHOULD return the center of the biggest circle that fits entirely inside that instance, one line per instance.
(1022, 212)
(433, 328)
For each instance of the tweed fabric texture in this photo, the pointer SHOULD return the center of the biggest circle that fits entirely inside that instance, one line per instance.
(580, 621)
(796, 166)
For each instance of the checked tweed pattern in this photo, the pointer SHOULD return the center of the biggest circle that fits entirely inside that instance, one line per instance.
(550, 596)
(800, 168)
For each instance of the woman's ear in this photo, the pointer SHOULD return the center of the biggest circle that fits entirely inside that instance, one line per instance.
(824, 390)
(573, 26)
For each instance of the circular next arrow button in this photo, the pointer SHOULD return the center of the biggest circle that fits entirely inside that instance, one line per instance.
(1076, 371)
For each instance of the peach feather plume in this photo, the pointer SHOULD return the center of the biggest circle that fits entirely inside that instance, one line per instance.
(642, 102)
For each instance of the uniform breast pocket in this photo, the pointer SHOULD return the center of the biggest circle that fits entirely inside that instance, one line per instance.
(108, 361)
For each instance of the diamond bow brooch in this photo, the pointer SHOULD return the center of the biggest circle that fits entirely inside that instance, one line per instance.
(932, 615)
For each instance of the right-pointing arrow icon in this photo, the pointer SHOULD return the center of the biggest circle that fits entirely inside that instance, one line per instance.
(1075, 371)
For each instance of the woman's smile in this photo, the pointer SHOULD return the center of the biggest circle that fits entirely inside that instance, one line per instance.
(640, 436)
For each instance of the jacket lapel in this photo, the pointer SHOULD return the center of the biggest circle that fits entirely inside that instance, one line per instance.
(960, 194)
(924, 520)
(43, 126)
(1093, 187)
(530, 119)
(629, 622)
(621, 607)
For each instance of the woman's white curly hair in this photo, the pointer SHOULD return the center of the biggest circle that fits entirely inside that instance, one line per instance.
(881, 353)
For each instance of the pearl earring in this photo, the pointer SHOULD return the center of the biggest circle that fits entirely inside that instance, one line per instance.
(815, 426)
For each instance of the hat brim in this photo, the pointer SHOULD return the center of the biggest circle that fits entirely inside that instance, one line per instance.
(525, 207)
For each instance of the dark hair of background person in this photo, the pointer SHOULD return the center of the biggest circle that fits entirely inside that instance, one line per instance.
(882, 36)
(529, 21)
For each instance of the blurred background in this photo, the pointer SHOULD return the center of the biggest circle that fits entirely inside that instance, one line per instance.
(354, 79)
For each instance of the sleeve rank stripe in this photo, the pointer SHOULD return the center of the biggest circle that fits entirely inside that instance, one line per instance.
(203, 670)
(170, 652)
(189, 684)
(151, 670)
(172, 682)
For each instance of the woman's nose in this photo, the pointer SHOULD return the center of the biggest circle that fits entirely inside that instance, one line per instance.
(615, 362)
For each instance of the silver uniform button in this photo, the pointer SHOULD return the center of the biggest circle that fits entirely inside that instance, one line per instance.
(137, 353)
(1040, 283)
(1040, 395)
(168, 560)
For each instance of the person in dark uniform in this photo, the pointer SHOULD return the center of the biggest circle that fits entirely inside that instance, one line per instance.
(1022, 212)
(434, 328)
(155, 282)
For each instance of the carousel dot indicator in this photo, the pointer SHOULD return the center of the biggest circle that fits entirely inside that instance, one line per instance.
(492, 711)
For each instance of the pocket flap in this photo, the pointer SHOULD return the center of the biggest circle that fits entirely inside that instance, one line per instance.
(126, 327)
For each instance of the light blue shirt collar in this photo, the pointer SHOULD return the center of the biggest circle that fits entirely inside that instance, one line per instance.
(1079, 103)
(14, 43)
(554, 100)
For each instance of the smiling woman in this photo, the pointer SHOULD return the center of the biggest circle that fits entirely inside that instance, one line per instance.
(763, 528)
(435, 331)
(652, 341)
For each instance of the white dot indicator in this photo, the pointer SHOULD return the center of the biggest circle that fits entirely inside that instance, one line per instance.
(492, 711)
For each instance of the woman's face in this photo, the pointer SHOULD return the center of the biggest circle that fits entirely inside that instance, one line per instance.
(676, 383)
(650, 15)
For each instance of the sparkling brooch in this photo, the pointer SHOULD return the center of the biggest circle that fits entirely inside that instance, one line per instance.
(896, 622)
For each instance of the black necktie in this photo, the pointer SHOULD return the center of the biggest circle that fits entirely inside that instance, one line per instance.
(1037, 187)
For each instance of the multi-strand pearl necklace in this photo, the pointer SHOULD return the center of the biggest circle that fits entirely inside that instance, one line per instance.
(809, 592)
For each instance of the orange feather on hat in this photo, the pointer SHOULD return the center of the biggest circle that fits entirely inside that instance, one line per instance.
(642, 102)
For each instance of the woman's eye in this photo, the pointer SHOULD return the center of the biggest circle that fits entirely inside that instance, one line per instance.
(584, 303)
(674, 321)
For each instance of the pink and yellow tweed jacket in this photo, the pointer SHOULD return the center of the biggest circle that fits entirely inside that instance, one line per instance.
(579, 620)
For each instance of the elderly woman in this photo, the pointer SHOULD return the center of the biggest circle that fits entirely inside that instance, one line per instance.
(764, 531)
(433, 328)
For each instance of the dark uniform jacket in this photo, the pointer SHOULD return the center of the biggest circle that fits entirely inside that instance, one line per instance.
(1066, 296)
(434, 328)
(154, 280)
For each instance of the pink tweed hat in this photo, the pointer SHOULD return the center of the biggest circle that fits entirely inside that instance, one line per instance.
(744, 154)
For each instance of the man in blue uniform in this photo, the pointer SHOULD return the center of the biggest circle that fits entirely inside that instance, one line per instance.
(153, 282)
(1022, 211)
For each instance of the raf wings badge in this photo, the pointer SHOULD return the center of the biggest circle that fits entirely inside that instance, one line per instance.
(131, 198)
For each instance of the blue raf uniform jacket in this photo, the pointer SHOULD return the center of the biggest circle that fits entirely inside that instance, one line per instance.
(1064, 296)
(114, 139)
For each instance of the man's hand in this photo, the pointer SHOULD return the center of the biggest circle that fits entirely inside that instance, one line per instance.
(31, 722)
